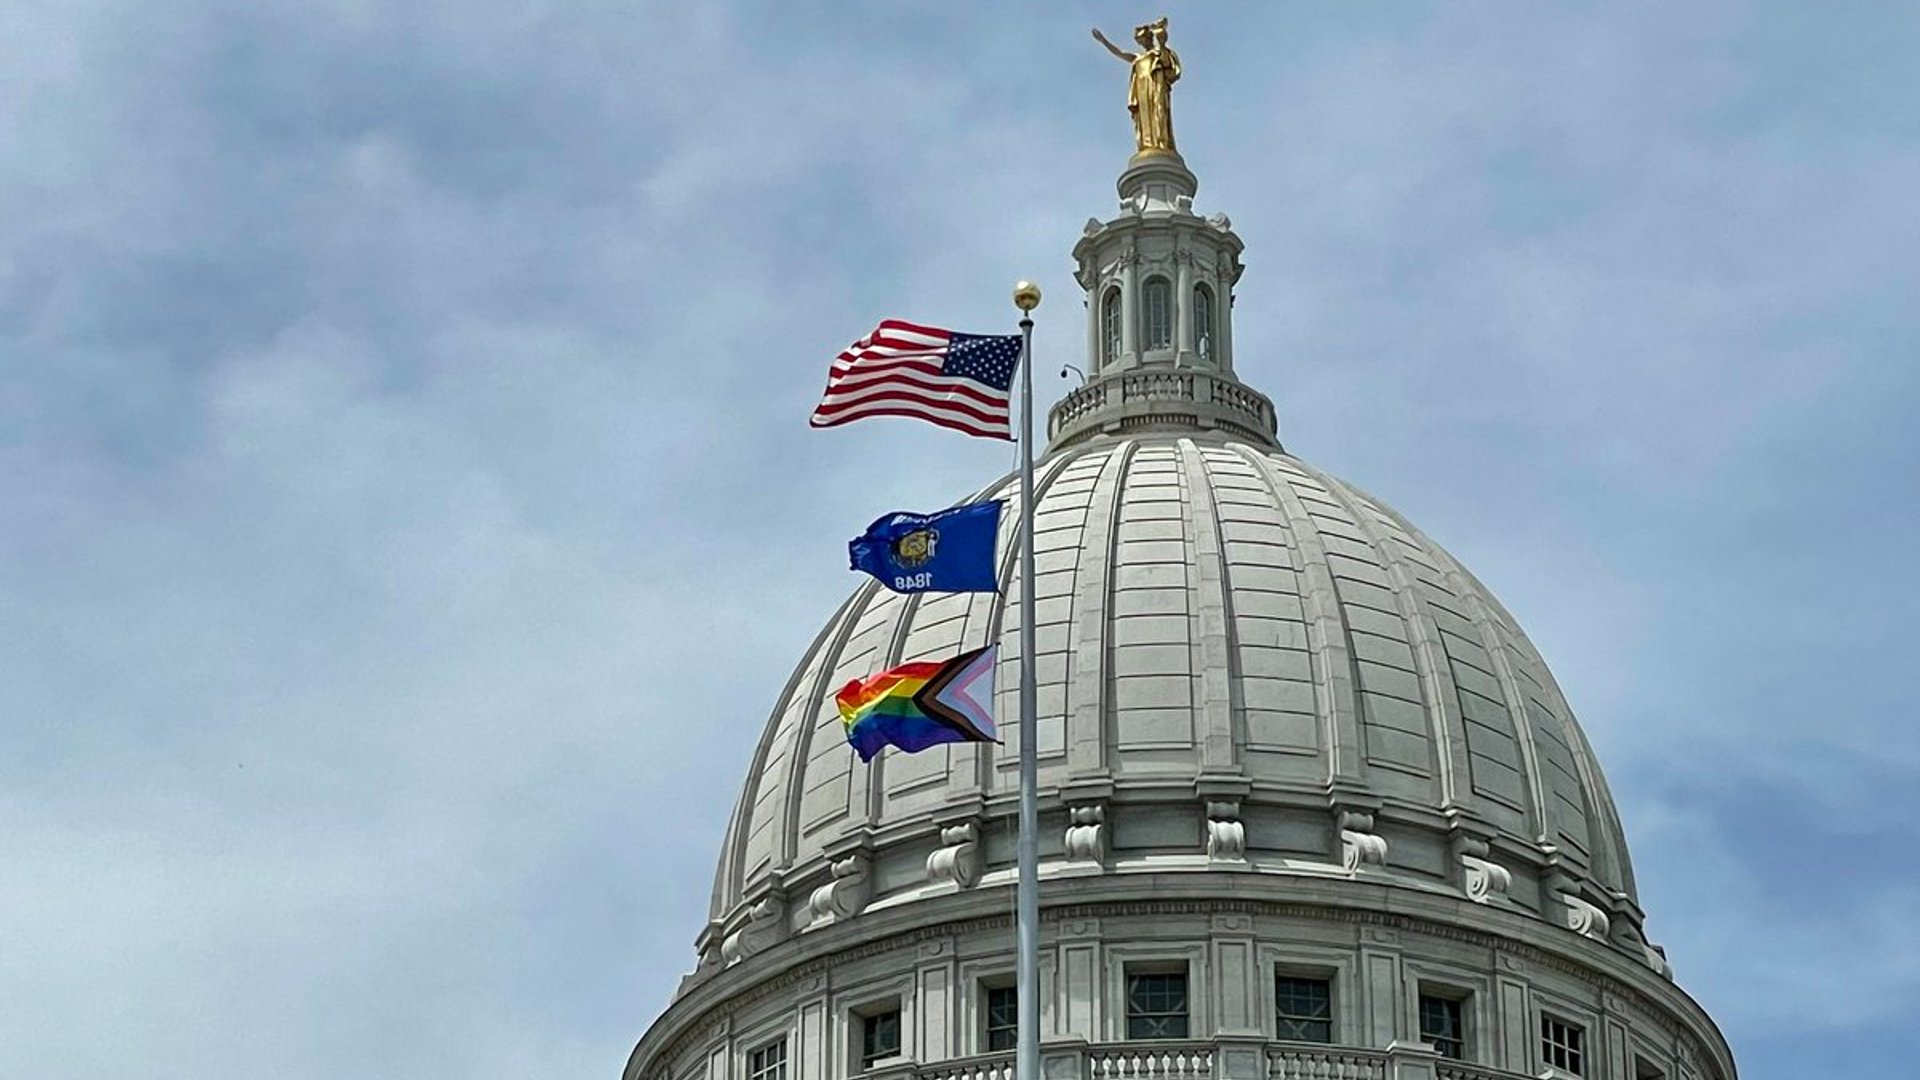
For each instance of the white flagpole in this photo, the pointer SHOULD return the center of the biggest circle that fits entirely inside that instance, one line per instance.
(1026, 297)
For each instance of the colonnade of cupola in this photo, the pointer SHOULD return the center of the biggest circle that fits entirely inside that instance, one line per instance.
(1159, 278)
(1159, 282)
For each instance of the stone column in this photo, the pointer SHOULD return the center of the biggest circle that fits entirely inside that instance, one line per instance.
(1095, 296)
(1130, 310)
(1223, 324)
(1183, 309)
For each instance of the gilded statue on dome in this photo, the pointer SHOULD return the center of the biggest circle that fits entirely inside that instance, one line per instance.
(1150, 92)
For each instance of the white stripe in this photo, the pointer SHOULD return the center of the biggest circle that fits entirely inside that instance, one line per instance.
(846, 363)
(968, 423)
(842, 394)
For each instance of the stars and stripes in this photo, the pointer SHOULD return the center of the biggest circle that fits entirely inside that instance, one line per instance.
(958, 381)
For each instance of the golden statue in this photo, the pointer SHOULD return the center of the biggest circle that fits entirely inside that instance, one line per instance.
(1150, 93)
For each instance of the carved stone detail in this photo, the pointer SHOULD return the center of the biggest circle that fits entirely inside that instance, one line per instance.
(958, 857)
(765, 926)
(1359, 845)
(1226, 833)
(1084, 829)
(1232, 923)
(1583, 918)
(1481, 878)
(847, 894)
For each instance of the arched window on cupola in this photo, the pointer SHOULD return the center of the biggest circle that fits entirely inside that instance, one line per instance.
(1203, 332)
(1156, 314)
(1110, 327)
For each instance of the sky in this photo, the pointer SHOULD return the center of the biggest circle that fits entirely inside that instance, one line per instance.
(408, 514)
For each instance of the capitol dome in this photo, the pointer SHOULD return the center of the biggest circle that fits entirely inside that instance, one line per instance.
(1311, 803)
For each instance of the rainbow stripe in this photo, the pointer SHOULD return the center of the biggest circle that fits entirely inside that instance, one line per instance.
(921, 704)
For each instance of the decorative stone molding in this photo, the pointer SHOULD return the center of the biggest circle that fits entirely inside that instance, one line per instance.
(847, 894)
(1359, 845)
(1084, 832)
(1226, 833)
(765, 926)
(958, 857)
(1232, 923)
(1381, 935)
(1656, 958)
(1583, 918)
(1481, 878)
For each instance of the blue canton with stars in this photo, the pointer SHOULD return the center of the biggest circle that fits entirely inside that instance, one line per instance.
(989, 359)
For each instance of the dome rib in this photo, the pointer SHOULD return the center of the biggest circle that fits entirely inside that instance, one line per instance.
(1446, 722)
(1335, 669)
(1090, 691)
(1006, 678)
(1492, 639)
(800, 756)
(730, 884)
(1216, 652)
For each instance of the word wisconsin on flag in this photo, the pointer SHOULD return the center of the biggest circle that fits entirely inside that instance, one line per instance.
(959, 381)
(922, 704)
(951, 551)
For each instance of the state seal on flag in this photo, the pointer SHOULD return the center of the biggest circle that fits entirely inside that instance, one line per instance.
(916, 549)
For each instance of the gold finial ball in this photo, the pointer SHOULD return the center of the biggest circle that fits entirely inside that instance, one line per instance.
(1026, 295)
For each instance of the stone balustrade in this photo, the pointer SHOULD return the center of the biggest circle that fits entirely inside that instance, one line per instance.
(1224, 1059)
(1157, 397)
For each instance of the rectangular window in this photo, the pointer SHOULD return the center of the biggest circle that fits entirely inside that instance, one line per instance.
(1563, 1044)
(879, 1036)
(769, 1062)
(1157, 1005)
(1443, 1025)
(1646, 1070)
(1003, 1017)
(1303, 1009)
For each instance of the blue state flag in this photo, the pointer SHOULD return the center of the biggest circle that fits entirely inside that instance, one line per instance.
(951, 551)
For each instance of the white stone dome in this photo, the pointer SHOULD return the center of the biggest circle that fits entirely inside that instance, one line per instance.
(1237, 653)
(1290, 751)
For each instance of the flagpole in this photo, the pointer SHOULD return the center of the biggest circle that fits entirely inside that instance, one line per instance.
(1026, 297)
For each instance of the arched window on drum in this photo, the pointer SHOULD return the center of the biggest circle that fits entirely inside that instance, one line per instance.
(1203, 332)
(1156, 314)
(1110, 327)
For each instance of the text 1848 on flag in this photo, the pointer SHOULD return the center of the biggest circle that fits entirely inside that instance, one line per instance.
(959, 381)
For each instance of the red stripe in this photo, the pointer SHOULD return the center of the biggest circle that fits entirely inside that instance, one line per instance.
(897, 396)
(1001, 432)
(883, 351)
(980, 392)
(866, 366)
(831, 407)
(913, 328)
(905, 335)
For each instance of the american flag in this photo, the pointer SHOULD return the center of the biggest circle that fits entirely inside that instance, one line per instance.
(955, 380)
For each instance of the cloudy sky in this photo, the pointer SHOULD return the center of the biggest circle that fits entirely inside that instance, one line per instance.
(407, 512)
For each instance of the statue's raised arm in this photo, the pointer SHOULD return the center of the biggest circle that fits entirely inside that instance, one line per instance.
(1150, 85)
(1111, 47)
